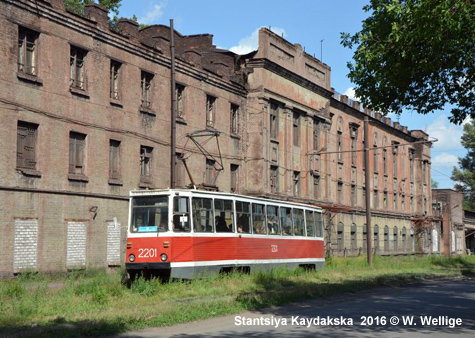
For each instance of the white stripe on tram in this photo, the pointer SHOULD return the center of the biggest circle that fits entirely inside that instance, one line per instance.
(246, 261)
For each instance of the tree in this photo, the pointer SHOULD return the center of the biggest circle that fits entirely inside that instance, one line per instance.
(434, 184)
(417, 55)
(465, 176)
(77, 6)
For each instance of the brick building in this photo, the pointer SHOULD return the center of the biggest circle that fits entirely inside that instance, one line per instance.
(307, 143)
(86, 119)
(448, 204)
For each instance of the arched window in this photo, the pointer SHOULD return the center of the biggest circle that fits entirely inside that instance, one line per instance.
(376, 238)
(353, 237)
(364, 237)
(395, 238)
(386, 238)
(340, 236)
(412, 242)
(403, 239)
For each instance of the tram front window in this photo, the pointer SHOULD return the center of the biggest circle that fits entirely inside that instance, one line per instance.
(149, 214)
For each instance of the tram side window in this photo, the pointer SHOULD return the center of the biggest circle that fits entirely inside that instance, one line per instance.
(310, 223)
(319, 224)
(286, 221)
(258, 219)
(149, 214)
(223, 210)
(273, 220)
(299, 222)
(243, 213)
(202, 214)
(181, 214)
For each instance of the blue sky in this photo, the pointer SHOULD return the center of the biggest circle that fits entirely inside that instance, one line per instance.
(234, 25)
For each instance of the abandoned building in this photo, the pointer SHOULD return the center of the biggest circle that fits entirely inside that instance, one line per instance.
(86, 118)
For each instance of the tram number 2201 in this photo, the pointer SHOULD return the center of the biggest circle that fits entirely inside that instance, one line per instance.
(147, 253)
(274, 248)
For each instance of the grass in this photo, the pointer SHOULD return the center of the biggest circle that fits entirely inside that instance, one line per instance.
(97, 304)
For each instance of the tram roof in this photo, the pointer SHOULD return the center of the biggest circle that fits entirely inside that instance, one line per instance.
(151, 192)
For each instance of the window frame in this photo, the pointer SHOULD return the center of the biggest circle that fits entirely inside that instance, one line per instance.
(22, 48)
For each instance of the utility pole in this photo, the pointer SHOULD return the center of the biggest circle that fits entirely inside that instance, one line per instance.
(368, 190)
(173, 107)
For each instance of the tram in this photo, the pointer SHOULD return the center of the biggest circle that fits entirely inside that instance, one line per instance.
(182, 233)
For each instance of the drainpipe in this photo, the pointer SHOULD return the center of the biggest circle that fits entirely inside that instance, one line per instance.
(173, 107)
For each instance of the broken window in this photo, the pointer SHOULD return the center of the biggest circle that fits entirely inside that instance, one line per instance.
(234, 118)
(27, 51)
(179, 93)
(274, 179)
(210, 111)
(146, 88)
(209, 172)
(145, 164)
(114, 80)
(77, 68)
(296, 183)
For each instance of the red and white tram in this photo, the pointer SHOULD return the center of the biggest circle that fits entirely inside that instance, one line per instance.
(191, 233)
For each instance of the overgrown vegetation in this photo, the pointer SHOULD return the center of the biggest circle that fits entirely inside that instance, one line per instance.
(98, 304)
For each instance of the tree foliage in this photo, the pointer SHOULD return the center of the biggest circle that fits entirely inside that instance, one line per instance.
(465, 176)
(417, 55)
(77, 6)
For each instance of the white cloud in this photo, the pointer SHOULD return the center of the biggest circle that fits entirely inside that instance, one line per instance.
(445, 160)
(155, 12)
(251, 42)
(350, 92)
(448, 134)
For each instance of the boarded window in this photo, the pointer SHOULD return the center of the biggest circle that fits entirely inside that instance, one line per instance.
(210, 111)
(114, 159)
(354, 154)
(365, 236)
(114, 80)
(27, 51)
(77, 149)
(376, 199)
(395, 238)
(27, 134)
(411, 165)
(404, 239)
(316, 186)
(375, 154)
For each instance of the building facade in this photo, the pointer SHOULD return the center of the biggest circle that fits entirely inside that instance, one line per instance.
(86, 118)
(307, 144)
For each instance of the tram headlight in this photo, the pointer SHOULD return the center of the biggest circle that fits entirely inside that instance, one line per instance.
(132, 258)
(163, 257)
